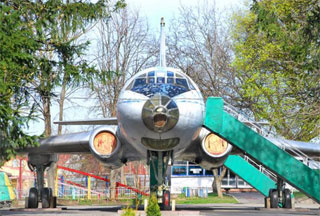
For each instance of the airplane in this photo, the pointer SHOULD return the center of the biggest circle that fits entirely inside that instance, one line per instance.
(160, 116)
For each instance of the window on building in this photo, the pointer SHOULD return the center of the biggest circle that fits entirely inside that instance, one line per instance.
(195, 171)
(179, 170)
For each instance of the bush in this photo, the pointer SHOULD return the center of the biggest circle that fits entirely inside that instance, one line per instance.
(153, 208)
(128, 212)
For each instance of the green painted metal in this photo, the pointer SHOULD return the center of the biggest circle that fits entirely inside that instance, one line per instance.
(157, 171)
(280, 162)
(153, 172)
(250, 174)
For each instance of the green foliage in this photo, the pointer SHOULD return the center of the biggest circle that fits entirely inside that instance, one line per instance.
(39, 51)
(16, 71)
(153, 208)
(128, 212)
(277, 55)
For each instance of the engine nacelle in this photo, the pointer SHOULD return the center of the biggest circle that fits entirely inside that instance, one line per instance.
(104, 144)
(214, 146)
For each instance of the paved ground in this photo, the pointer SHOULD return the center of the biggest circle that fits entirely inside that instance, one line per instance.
(250, 204)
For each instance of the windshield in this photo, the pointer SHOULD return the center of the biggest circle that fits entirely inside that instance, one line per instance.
(167, 82)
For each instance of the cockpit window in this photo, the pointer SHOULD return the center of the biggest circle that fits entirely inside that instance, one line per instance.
(182, 82)
(168, 82)
(160, 80)
(151, 80)
(151, 73)
(139, 82)
(151, 89)
(191, 86)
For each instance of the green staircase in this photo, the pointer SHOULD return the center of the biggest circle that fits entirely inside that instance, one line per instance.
(250, 174)
(256, 146)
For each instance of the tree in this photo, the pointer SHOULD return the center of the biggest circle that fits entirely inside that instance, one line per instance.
(277, 57)
(16, 71)
(153, 208)
(200, 45)
(57, 25)
(123, 50)
(217, 179)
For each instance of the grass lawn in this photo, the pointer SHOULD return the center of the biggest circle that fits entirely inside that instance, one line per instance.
(212, 198)
(299, 195)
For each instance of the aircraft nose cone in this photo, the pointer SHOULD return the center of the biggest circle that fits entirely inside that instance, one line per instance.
(160, 110)
(160, 113)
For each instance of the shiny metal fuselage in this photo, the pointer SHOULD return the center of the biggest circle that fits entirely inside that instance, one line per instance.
(191, 108)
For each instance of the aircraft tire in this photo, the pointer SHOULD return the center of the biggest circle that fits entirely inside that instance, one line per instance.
(166, 200)
(274, 199)
(33, 198)
(46, 195)
(286, 199)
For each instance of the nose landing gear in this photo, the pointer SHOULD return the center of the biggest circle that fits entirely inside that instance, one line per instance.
(160, 177)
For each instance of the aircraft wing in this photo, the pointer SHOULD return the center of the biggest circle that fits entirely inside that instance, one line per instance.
(106, 121)
(308, 148)
(114, 153)
(67, 143)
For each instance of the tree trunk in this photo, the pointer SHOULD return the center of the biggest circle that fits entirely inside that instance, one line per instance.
(216, 184)
(123, 177)
(46, 115)
(51, 173)
(113, 180)
(61, 104)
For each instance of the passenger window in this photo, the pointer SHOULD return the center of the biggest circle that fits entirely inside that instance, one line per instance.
(139, 82)
(182, 82)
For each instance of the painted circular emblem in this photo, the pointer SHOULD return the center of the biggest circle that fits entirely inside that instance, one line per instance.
(105, 143)
(215, 145)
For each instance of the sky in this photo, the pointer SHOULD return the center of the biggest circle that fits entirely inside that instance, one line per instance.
(153, 10)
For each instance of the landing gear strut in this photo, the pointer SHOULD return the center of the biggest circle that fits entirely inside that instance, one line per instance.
(160, 176)
(280, 197)
(39, 163)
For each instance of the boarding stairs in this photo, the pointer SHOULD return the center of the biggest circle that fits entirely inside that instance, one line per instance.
(253, 142)
(254, 174)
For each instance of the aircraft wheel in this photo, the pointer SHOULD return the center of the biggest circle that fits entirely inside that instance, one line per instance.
(286, 200)
(166, 200)
(274, 199)
(46, 195)
(33, 198)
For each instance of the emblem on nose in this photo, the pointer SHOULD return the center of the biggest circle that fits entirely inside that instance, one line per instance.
(160, 113)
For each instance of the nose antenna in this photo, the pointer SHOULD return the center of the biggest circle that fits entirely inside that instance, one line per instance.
(162, 44)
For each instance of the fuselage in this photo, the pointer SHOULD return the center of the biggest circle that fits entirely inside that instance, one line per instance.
(160, 109)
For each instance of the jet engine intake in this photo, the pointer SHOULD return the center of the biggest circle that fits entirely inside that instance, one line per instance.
(104, 143)
(214, 146)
